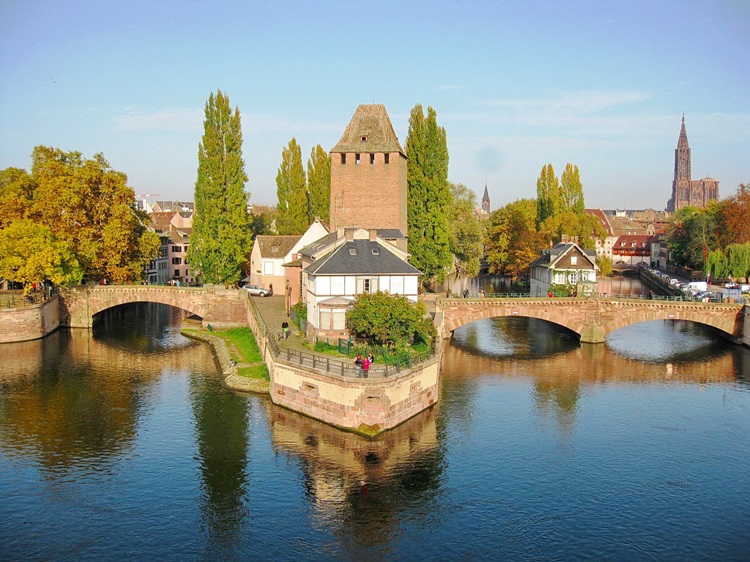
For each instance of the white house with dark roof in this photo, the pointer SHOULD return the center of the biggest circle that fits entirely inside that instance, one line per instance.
(565, 264)
(344, 267)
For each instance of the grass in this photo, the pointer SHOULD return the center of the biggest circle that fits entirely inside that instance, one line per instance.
(241, 341)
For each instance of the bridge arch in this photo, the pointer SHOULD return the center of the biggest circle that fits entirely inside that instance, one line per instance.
(101, 300)
(592, 318)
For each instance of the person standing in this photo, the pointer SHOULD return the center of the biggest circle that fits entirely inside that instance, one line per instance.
(285, 329)
(358, 366)
(365, 367)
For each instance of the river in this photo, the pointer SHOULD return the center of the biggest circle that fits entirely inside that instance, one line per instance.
(120, 443)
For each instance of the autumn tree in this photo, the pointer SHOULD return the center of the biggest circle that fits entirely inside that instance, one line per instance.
(692, 235)
(30, 253)
(16, 194)
(88, 206)
(512, 241)
(220, 240)
(428, 195)
(291, 190)
(466, 232)
(734, 217)
(319, 184)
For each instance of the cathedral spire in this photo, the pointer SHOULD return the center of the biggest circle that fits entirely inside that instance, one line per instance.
(486, 200)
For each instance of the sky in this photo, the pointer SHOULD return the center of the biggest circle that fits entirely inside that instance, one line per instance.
(515, 84)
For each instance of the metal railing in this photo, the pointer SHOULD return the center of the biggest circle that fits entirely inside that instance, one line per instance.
(329, 365)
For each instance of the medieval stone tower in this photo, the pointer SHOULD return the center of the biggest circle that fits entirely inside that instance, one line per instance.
(368, 174)
(686, 191)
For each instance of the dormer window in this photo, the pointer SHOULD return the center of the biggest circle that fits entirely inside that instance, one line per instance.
(363, 138)
(352, 251)
(376, 251)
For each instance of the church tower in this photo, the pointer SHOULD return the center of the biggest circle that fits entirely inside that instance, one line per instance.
(368, 174)
(485, 201)
(686, 191)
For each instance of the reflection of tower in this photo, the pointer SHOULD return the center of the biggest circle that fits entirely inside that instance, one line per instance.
(485, 201)
(368, 174)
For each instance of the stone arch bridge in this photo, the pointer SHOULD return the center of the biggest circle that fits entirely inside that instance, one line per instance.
(216, 305)
(591, 318)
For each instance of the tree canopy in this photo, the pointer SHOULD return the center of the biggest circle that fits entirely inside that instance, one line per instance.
(291, 190)
(220, 240)
(389, 320)
(319, 184)
(428, 195)
(512, 238)
(88, 209)
(466, 232)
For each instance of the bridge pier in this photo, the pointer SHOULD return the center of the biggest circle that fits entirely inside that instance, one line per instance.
(592, 333)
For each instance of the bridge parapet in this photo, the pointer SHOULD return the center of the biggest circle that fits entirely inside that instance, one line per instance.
(214, 304)
(591, 318)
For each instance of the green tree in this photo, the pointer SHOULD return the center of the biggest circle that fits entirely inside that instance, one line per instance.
(30, 253)
(428, 195)
(738, 260)
(571, 191)
(716, 264)
(389, 320)
(466, 232)
(605, 265)
(220, 240)
(547, 194)
(291, 189)
(586, 229)
(319, 184)
(692, 235)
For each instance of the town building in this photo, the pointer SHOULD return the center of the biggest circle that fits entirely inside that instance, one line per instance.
(686, 191)
(566, 264)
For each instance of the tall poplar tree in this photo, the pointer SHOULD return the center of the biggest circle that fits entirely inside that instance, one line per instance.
(571, 190)
(319, 184)
(291, 189)
(220, 240)
(547, 194)
(429, 195)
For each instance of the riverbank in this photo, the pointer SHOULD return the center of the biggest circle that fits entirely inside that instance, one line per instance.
(227, 365)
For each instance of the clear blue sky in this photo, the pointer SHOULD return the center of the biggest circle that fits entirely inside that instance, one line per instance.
(601, 84)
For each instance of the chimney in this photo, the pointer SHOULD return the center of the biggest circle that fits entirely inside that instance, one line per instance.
(349, 234)
(373, 234)
(564, 239)
(339, 231)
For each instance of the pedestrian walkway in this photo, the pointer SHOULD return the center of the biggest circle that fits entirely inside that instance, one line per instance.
(273, 313)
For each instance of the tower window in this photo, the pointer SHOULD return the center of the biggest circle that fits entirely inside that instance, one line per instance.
(343, 158)
(364, 138)
(372, 158)
(356, 158)
(387, 158)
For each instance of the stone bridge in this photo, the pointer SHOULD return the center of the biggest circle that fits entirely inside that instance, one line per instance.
(591, 318)
(215, 305)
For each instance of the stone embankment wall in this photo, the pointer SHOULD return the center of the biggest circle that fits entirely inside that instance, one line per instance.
(31, 322)
(368, 406)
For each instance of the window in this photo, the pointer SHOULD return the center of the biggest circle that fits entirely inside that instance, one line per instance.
(356, 159)
(376, 251)
(176, 261)
(352, 251)
(363, 138)
(372, 158)
(573, 260)
(176, 272)
(268, 267)
(343, 158)
(387, 158)
(176, 249)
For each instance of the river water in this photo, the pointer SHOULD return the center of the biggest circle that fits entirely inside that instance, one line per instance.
(121, 444)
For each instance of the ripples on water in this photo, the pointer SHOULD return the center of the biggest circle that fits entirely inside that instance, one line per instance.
(124, 445)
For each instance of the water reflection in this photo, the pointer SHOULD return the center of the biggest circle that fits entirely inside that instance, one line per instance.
(360, 488)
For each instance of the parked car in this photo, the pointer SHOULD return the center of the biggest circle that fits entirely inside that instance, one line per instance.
(257, 290)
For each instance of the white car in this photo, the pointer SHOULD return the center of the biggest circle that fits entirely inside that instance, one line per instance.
(257, 290)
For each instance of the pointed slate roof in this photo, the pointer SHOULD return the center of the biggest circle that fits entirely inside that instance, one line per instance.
(370, 130)
(683, 140)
